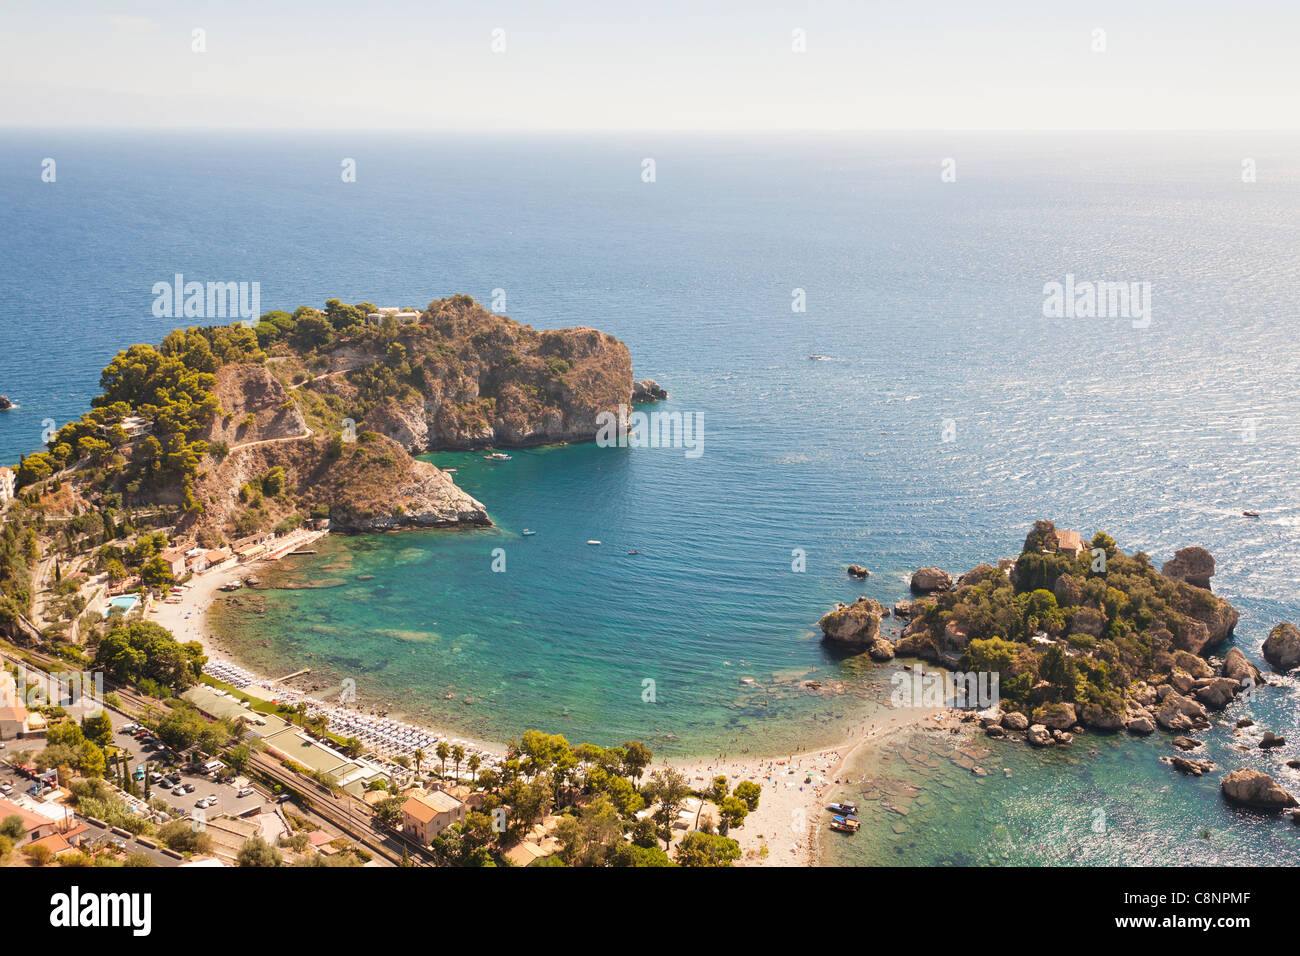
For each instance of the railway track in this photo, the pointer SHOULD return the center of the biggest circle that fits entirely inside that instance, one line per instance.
(325, 805)
(322, 801)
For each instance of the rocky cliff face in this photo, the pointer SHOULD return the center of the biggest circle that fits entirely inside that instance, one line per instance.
(459, 378)
(1194, 565)
(466, 378)
(367, 486)
(254, 407)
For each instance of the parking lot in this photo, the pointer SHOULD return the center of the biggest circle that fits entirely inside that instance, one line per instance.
(227, 799)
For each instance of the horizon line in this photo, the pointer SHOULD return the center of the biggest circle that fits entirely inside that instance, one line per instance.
(653, 129)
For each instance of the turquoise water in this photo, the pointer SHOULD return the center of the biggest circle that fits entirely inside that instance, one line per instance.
(1105, 800)
(926, 297)
(416, 616)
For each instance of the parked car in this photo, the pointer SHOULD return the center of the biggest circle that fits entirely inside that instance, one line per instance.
(245, 792)
(178, 791)
(128, 728)
(188, 787)
(6, 789)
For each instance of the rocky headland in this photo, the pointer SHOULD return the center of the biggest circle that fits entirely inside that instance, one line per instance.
(318, 414)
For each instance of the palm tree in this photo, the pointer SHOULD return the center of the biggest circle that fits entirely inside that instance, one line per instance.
(301, 711)
(419, 758)
(457, 755)
(443, 751)
(474, 762)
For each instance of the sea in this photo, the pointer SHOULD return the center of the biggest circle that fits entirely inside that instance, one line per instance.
(859, 325)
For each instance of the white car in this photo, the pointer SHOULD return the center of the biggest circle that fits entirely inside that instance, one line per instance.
(245, 792)
(6, 789)
(178, 791)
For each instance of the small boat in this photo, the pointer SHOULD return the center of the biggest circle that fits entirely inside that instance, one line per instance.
(843, 827)
(1250, 514)
(527, 532)
(593, 541)
(496, 456)
(842, 807)
(634, 552)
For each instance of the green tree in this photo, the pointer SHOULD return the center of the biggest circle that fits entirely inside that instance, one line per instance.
(667, 789)
(707, 849)
(257, 852)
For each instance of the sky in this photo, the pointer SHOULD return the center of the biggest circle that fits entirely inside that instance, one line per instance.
(658, 64)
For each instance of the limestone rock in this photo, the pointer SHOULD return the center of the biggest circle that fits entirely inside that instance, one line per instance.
(1015, 721)
(1196, 666)
(856, 624)
(925, 580)
(1056, 716)
(1039, 736)
(1093, 715)
(1218, 693)
(1194, 565)
(1140, 722)
(1282, 647)
(1192, 768)
(647, 390)
(1254, 789)
(881, 650)
(1180, 713)
(1239, 669)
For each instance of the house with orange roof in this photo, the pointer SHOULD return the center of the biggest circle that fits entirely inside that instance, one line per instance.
(55, 843)
(34, 825)
(1065, 540)
(425, 815)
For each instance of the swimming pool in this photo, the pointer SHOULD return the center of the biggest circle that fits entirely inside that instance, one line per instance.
(123, 603)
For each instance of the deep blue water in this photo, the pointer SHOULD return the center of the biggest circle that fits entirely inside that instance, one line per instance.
(927, 297)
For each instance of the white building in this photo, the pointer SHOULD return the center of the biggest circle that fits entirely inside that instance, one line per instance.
(8, 480)
(403, 316)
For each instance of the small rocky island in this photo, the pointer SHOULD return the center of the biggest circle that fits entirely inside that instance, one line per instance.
(1083, 637)
(5, 404)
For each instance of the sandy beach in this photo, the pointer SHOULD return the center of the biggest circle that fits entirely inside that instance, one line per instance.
(791, 812)
(795, 788)
(187, 619)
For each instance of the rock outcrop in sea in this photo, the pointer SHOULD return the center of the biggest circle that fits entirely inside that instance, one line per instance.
(1282, 647)
(927, 580)
(857, 626)
(647, 390)
(1251, 788)
(1194, 565)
